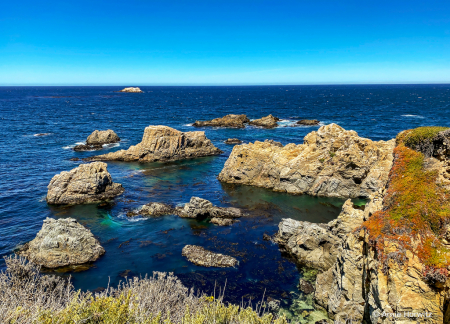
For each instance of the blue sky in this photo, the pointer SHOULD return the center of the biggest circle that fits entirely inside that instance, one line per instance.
(164, 42)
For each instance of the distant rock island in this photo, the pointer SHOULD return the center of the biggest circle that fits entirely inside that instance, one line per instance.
(131, 89)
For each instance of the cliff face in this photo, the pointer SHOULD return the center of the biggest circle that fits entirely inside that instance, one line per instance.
(162, 143)
(332, 162)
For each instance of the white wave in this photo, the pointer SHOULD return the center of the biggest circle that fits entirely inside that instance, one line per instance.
(413, 116)
(42, 134)
(111, 145)
(42, 199)
(286, 123)
(188, 124)
(68, 147)
(123, 215)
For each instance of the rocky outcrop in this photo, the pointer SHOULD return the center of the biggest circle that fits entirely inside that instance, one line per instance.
(308, 122)
(97, 139)
(201, 257)
(265, 122)
(152, 210)
(232, 121)
(131, 89)
(162, 143)
(202, 208)
(233, 141)
(86, 183)
(331, 162)
(61, 243)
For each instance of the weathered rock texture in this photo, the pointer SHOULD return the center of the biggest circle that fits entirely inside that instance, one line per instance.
(61, 243)
(162, 143)
(131, 89)
(233, 141)
(332, 162)
(201, 257)
(265, 122)
(152, 209)
(202, 208)
(86, 183)
(232, 121)
(96, 140)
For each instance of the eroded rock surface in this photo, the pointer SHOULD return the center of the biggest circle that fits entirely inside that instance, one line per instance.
(87, 183)
(152, 209)
(61, 243)
(233, 141)
(265, 122)
(201, 257)
(162, 143)
(332, 162)
(232, 121)
(131, 89)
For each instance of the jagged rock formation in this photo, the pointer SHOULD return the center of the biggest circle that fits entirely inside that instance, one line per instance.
(152, 209)
(308, 122)
(162, 143)
(202, 208)
(265, 122)
(86, 183)
(96, 140)
(201, 257)
(332, 162)
(131, 89)
(61, 243)
(233, 141)
(232, 121)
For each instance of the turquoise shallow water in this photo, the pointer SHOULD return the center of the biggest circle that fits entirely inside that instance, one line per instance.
(141, 246)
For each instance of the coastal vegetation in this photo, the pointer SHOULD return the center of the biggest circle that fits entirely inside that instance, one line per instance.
(26, 296)
(416, 207)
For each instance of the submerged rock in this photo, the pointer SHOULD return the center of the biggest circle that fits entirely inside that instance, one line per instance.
(87, 183)
(308, 122)
(152, 209)
(162, 143)
(131, 89)
(233, 141)
(61, 243)
(331, 162)
(97, 139)
(265, 122)
(232, 121)
(201, 257)
(202, 208)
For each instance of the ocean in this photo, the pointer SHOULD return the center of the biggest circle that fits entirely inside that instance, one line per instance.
(140, 246)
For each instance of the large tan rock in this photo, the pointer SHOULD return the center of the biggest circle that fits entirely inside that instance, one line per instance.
(61, 243)
(162, 143)
(102, 137)
(87, 183)
(332, 162)
(265, 122)
(232, 121)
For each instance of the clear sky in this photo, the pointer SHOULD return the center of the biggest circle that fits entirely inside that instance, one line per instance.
(164, 42)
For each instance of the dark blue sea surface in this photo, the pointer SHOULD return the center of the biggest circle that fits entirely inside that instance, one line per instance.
(140, 246)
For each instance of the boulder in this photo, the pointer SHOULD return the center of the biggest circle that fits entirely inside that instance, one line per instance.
(87, 183)
(331, 162)
(202, 208)
(131, 89)
(265, 122)
(102, 137)
(308, 122)
(201, 257)
(162, 143)
(232, 121)
(232, 141)
(61, 243)
(152, 209)
(84, 147)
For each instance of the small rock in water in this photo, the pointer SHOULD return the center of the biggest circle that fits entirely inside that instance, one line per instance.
(85, 147)
(308, 122)
(266, 237)
(131, 89)
(75, 159)
(102, 137)
(152, 209)
(42, 134)
(306, 286)
(201, 257)
(62, 242)
(232, 121)
(233, 141)
(265, 122)
(222, 221)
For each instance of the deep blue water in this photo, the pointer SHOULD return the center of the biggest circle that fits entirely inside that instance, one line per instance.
(70, 114)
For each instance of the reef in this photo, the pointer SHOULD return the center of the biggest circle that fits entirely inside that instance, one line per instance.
(232, 121)
(201, 257)
(87, 183)
(331, 162)
(162, 143)
(61, 243)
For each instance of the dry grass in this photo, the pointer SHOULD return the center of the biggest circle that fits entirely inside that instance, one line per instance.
(26, 296)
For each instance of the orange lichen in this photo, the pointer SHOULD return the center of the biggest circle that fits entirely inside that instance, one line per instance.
(416, 210)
